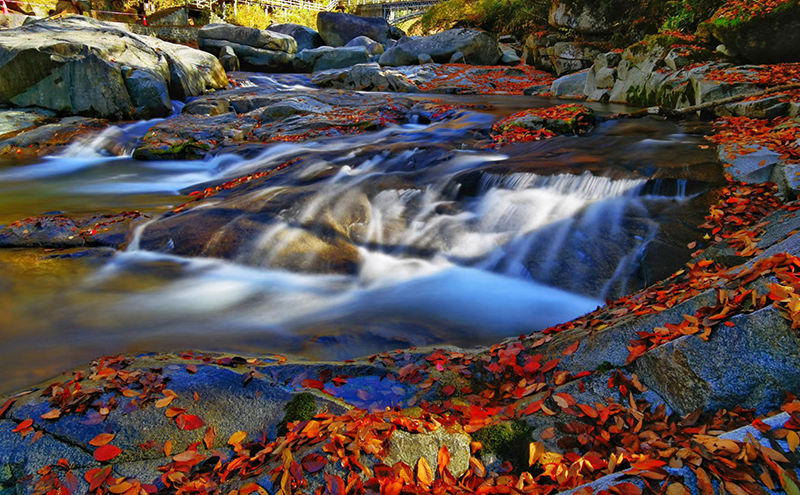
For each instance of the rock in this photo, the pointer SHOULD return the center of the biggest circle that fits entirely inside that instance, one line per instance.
(256, 49)
(8, 21)
(410, 447)
(325, 58)
(240, 35)
(77, 65)
(424, 58)
(457, 58)
(337, 29)
(587, 16)
(228, 59)
(49, 136)
(256, 59)
(753, 167)
(372, 46)
(610, 59)
(477, 48)
(572, 84)
(59, 231)
(601, 95)
(765, 108)
(305, 37)
(13, 122)
(510, 57)
(577, 119)
(605, 78)
(202, 129)
(365, 77)
(764, 36)
(787, 177)
(751, 364)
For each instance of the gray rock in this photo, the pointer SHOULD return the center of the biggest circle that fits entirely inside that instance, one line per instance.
(325, 58)
(372, 46)
(240, 35)
(457, 58)
(606, 77)
(148, 94)
(587, 17)
(567, 66)
(14, 121)
(257, 59)
(410, 447)
(572, 84)
(765, 108)
(228, 59)
(74, 65)
(601, 95)
(510, 57)
(305, 37)
(787, 176)
(424, 58)
(752, 364)
(753, 167)
(477, 47)
(365, 77)
(610, 59)
(337, 29)
(591, 82)
(622, 69)
(768, 39)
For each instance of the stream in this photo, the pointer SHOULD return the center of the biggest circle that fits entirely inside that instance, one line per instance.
(414, 235)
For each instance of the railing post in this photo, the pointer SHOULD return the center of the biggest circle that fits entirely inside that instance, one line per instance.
(5, 8)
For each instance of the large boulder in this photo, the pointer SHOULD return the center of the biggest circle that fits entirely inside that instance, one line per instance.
(587, 16)
(257, 49)
(305, 37)
(325, 58)
(764, 37)
(365, 77)
(80, 66)
(477, 48)
(337, 29)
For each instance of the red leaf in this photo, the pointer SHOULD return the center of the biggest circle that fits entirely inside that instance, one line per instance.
(189, 422)
(308, 383)
(5, 407)
(335, 484)
(313, 463)
(106, 453)
(23, 426)
(572, 348)
(448, 390)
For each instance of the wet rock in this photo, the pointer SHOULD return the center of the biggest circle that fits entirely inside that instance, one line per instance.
(305, 37)
(51, 136)
(753, 165)
(14, 121)
(325, 58)
(365, 77)
(325, 114)
(77, 65)
(410, 447)
(752, 364)
(477, 48)
(764, 37)
(372, 46)
(228, 59)
(338, 29)
(572, 84)
(58, 231)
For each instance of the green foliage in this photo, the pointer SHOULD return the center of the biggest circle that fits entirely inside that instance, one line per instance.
(515, 17)
(259, 17)
(686, 15)
(508, 440)
(302, 407)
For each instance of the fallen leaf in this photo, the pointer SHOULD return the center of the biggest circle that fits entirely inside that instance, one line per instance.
(106, 453)
(101, 439)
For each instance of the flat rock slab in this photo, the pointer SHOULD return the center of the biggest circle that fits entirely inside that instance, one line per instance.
(266, 116)
(58, 231)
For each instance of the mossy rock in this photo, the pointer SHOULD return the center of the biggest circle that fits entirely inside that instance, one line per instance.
(302, 407)
(565, 119)
(508, 440)
(769, 38)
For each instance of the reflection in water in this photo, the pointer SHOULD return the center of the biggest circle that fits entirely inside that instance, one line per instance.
(440, 245)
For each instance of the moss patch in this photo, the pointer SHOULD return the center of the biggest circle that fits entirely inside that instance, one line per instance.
(301, 408)
(509, 441)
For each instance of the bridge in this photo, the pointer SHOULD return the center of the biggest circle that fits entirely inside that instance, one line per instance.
(394, 11)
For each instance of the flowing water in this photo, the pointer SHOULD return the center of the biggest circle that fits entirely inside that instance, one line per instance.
(414, 235)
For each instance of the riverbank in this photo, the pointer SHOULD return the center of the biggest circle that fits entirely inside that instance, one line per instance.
(423, 211)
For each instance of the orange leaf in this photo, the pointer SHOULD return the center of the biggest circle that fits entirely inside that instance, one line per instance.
(571, 348)
(23, 426)
(424, 473)
(443, 459)
(210, 436)
(52, 414)
(101, 439)
(237, 438)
